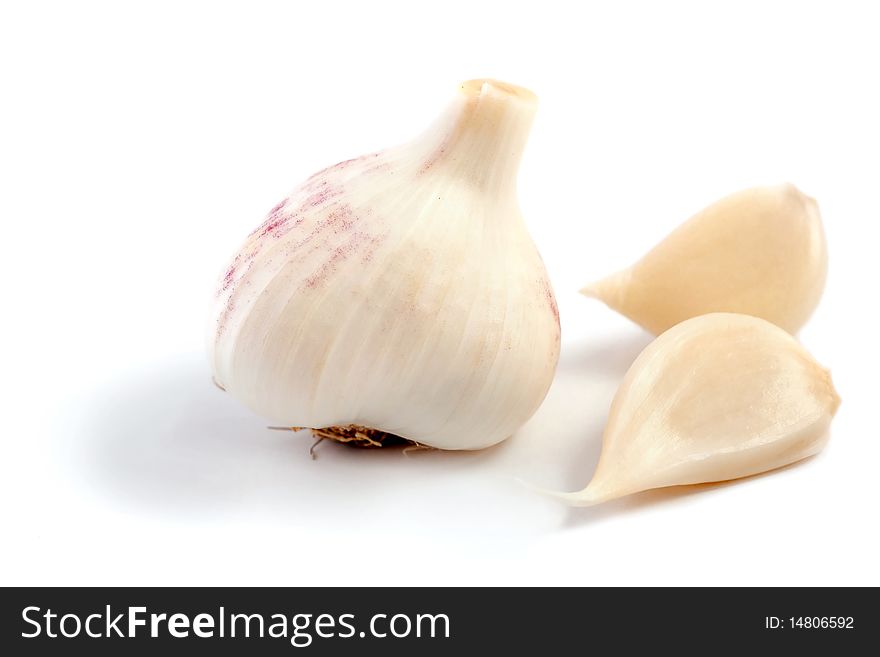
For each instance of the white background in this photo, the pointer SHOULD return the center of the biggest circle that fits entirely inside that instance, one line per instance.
(140, 142)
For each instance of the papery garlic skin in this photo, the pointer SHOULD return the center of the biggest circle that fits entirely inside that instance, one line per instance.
(760, 252)
(717, 397)
(399, 291)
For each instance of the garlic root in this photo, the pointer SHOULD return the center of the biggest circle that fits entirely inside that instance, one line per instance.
(760, 252)
(361, 437)
(717, 397)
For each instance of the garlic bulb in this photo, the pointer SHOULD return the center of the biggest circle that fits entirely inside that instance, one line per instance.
(716, 397)
(399, 292)
(760, 252)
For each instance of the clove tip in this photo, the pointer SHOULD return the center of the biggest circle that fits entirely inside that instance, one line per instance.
(591, 290)
(486, 86)
(573, 498)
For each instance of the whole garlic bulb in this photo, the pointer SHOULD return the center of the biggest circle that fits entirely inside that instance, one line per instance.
(717, 397)
(399, 292)
(760, 252)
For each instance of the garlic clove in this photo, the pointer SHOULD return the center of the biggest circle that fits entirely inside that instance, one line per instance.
(717, 397)
(760, 251)
(400, 292)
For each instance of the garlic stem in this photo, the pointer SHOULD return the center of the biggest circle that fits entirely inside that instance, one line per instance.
(482, 136)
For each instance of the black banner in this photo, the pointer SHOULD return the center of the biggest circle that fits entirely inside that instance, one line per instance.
(277, 621)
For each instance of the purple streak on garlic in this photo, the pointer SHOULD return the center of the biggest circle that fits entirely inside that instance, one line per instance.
(399, 291)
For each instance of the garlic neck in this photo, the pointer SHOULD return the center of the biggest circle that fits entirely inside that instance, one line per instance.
(482, 136)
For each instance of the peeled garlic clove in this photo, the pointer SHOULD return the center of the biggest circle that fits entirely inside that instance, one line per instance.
(760, 252)
(398, 292)
(716, 397)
